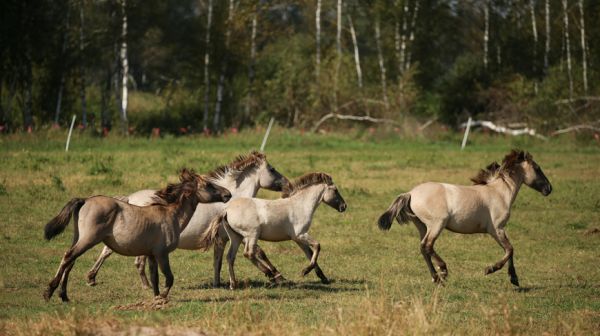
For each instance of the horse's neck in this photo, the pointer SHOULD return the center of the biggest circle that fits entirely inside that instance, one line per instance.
(184, 212)
(306, 201)
(247, 186)
(509, 187)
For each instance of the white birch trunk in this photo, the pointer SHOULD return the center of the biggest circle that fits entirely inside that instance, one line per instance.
(381, 63)
(535, 42)
(397, 41)
(568, 46)
(547, 50)
(402, 60)
(61, 85)
(338, 46)
(486, 33)
(318, 38)
(206, 66)
(251, 66)
(220, 87)
(124, 69)
(356, 53)
(411, 39)
(82, 67)
(583, 46)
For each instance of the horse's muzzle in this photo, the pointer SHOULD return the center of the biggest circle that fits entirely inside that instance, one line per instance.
(226, 197)
(547, 190)
(342, 207)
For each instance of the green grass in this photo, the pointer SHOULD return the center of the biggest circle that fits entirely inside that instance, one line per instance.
(380, 281)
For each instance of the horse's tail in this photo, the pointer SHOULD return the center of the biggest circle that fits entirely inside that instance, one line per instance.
(58, 224)
(210, 236)
(399, 209)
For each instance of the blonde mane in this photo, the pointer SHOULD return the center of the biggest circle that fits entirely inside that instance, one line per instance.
(305, 181)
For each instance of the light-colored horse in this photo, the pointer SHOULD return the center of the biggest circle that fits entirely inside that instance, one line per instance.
(481, 208)
(289, 218)
(132, 230)
(243, 178)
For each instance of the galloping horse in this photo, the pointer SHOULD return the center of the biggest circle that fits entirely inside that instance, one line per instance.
(481, 208)
(132, 230)
(243, 178)
(289, 218)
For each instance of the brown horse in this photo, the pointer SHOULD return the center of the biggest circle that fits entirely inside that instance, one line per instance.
(132, 230)
(481, 208)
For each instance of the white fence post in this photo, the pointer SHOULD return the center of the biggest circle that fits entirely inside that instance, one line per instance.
(70, 131)
(264, 142)
(464, 142)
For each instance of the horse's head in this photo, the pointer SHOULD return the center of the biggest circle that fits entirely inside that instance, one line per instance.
(533, 176)
(334, 199)
(209, 192)
(270, 178)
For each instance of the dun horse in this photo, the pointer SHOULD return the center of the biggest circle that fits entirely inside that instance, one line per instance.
(481, 208)
(243, 178)
(131, 230)
(289, 218)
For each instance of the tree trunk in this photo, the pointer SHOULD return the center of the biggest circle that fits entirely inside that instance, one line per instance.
(583, 46)
(338, 47)
(251, 74)
(547, 50)
(381, 63)
(535, 42)
(486, 33)
(206, 66)
(402, 60)
(124, 69)
(82, 83)
(356, 52)
(318, 38)
(27, 100)
(104, 103)
(568, 46)
(217, 118)
(411, 39)
(61, 85)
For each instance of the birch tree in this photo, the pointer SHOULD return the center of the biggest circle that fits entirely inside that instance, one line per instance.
(356, 52)
(318, 39)
(124, 68)
(402, 38)
(486, 33)
(535, 40)
(206, 65)
(220, 87)
(583, 46)
(547, 49)
(82, 84)
(381, 62)
(411, 39)
(338, 47)
(251, 64)
(567, 45)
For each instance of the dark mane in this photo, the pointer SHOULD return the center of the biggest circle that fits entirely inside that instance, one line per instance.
(510, 165)
(241, 164)
(174, 192)
(305, 181)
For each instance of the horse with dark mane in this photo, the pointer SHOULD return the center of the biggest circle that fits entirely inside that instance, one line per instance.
(132, 230)
(481, 208)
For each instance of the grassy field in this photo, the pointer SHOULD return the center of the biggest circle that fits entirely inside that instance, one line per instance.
(380, 282)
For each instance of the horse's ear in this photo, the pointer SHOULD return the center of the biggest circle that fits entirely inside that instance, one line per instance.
(187, 175)
(522, 156)
(528, 156)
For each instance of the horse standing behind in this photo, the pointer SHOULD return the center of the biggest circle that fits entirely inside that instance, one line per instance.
(243, 178)
(481, 208)
(131, 230)
(289, 218)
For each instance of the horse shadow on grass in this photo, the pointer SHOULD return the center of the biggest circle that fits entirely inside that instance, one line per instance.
(336, 285)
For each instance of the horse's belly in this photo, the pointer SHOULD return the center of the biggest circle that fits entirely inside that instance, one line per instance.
(190, 237)
(274, 235)
(129, 248)
(466, 226)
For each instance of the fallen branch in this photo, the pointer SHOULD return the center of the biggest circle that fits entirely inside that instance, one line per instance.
(576, 128)
(427, 124)
(352, 117)
(501, 129)
(572, 100)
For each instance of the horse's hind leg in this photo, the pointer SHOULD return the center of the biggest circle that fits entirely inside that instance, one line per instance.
(500, 237)
(309, 254)
(165, 268)
(250, 253)
(140, 265)
(91, 276)
(219, 250)
(428, 237)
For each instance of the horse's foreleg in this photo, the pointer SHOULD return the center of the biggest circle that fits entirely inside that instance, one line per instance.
(500, 237)
(309, 254)
(153, 268)
(307, 240)
(140, 265)
(262, 257)
(165, 268)
(91, 276)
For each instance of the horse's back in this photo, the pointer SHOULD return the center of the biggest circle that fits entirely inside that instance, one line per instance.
(142, 197)
(204, 213)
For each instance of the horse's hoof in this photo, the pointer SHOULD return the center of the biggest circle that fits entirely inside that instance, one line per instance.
(325, 281)
(515, 281)
(489, 270)
(91, 283)
(64, 298)
(216, 285)
(232, 285)
(47, 294)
